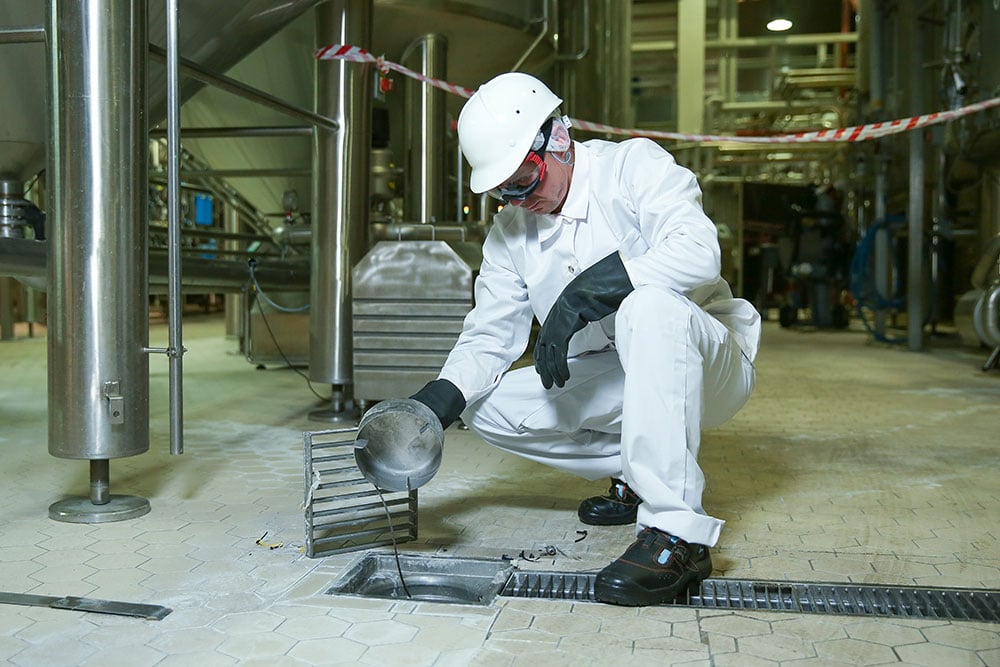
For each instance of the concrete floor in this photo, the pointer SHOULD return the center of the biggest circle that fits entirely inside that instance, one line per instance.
(853, 462)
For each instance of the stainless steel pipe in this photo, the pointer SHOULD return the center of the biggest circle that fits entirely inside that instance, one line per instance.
(425, 130)
(253, 131)
(26, 260)
(340, 189)
(22, 34)
(175, 300)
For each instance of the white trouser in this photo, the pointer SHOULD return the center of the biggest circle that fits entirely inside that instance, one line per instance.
(634, 412)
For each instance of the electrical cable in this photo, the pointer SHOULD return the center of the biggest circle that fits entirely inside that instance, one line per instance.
(395, 548)
(252, 263)
(260, 291)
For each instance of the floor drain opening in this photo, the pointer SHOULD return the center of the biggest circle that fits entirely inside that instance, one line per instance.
(427, 578)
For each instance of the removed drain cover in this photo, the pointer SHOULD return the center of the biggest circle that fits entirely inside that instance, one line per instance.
(153, 612)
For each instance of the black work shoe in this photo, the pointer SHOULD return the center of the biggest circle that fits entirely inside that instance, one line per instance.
(617, 508)
(657, 568)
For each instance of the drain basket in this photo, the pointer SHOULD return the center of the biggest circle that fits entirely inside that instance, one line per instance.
(343, 510)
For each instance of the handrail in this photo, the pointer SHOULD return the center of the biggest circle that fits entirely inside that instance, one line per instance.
(234, 87)
(23, 34)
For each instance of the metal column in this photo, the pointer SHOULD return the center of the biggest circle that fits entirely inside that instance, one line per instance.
(882, 258)
(691, 66)
(340, 199)
(425, 130)
(7, 317)
(234, 303)
(98, 371)
(915, 214)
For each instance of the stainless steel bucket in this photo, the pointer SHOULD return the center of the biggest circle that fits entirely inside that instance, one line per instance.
(399, 444)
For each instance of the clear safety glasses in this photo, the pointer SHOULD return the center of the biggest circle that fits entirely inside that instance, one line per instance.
(529, 175)
(525, 181)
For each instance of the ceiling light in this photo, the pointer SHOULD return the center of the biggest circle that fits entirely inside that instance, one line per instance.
(779, 24)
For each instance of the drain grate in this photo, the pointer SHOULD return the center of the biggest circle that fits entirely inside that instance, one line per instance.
(807, 598)
(343, 510)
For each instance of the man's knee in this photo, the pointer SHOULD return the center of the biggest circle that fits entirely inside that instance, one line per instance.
(651, 306)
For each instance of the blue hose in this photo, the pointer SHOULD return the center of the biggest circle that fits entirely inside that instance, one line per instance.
(863, 287)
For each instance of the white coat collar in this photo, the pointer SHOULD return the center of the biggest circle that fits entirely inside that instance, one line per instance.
(577, 199)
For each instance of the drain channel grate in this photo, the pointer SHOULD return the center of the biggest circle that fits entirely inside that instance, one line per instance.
(803, 598)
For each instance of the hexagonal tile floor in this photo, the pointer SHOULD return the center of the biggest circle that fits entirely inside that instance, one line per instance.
(853, 462)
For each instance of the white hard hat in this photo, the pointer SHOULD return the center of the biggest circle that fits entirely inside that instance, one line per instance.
(498, 125)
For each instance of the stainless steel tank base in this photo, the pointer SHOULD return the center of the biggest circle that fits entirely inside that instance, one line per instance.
(331, 416)
(340, 410)
(83, 510)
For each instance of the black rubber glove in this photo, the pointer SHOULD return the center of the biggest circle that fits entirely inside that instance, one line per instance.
(444, 399)
(592, 295)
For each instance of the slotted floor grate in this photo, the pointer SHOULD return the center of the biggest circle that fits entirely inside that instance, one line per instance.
(803, 598)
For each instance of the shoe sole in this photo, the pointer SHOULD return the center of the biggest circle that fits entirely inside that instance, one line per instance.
(620, 521)
(641, 597)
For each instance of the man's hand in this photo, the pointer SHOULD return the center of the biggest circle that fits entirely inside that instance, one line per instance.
(592, 295)
(443, 398)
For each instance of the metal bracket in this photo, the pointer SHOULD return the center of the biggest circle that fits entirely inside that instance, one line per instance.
(116, 403)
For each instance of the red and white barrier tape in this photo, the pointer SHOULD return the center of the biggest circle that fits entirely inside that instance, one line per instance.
(357, 55)
(843, 134)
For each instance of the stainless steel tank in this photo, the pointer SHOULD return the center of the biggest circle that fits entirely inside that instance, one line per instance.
(481, 40)
(22, 105)
(215, 34)
(98, 372)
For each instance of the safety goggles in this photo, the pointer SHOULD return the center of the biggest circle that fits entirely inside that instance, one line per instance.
(526, 179)
(529, 175)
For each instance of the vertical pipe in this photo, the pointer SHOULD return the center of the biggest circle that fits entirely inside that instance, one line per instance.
(425, 131)
(882, 240)
(874, 24)
(7, 308)
(233, 302)
(740, 239)
(915, 213)
(620, 99)
(691, 65)
(728, 31)
(862, 61)
(98, 371)
(340, 188)
(459, 185)
(175, 299)
(486, 208)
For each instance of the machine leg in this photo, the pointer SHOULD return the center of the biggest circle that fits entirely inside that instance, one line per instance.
(101, 507)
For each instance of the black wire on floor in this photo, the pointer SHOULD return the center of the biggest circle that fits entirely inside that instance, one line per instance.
(395, 547)
(274, 340)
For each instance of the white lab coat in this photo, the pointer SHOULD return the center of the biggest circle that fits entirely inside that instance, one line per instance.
(675, 357)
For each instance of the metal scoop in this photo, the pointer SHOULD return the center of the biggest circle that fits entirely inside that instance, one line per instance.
(399, 444)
